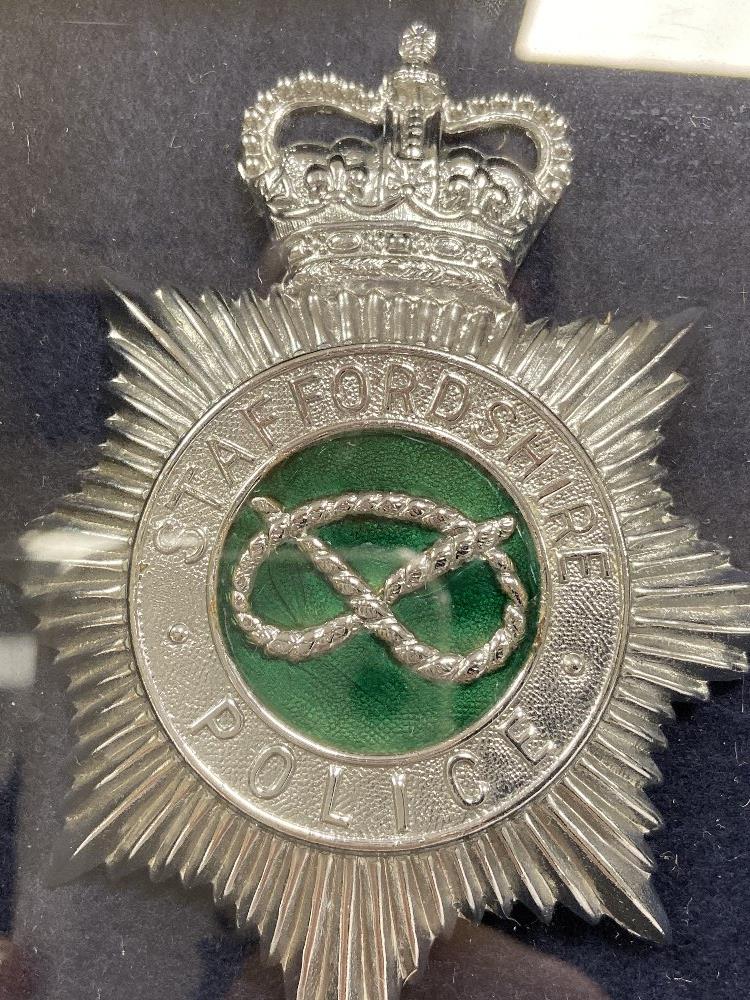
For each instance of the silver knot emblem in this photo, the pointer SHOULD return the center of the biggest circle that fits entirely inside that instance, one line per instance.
(462, 541)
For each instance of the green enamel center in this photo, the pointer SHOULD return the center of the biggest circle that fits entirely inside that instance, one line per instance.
(358, 698)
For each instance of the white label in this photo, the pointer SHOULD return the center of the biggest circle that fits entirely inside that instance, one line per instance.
(695, 36)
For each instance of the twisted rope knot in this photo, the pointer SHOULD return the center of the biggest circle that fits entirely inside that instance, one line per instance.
(462, 541)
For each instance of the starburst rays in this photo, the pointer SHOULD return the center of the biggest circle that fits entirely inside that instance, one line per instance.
(341, 925)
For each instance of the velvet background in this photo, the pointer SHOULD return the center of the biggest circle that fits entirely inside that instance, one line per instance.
(120, 127)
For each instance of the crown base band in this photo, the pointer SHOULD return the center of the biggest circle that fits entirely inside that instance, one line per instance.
(413, 254)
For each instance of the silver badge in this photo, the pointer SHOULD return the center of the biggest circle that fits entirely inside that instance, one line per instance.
(374, 604)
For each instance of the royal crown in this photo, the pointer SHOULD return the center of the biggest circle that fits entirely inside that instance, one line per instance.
(413, 204)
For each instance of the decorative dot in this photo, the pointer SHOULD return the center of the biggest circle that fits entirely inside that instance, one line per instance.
(573, 664)
(178, 633)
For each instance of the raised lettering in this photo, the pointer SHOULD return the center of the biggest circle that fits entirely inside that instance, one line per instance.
(327, 812)
(260, 421)
(525, 737)
(350, 377)
(556, 486)
(499, 415)
(588, 562)
(185, 488)
(304, 395)
(271, 771)
(526, 449)
(224, 720)
(398, 783)
(459, 767)
(576, 519)
(451, 399)
(400, 382)
(225, 454)
(172, 537)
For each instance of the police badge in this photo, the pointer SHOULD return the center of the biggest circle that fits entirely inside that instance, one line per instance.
(374, 605)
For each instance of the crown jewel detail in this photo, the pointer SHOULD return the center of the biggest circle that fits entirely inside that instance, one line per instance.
(409, 204)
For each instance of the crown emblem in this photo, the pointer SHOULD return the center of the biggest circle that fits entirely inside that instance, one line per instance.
(420, 202)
